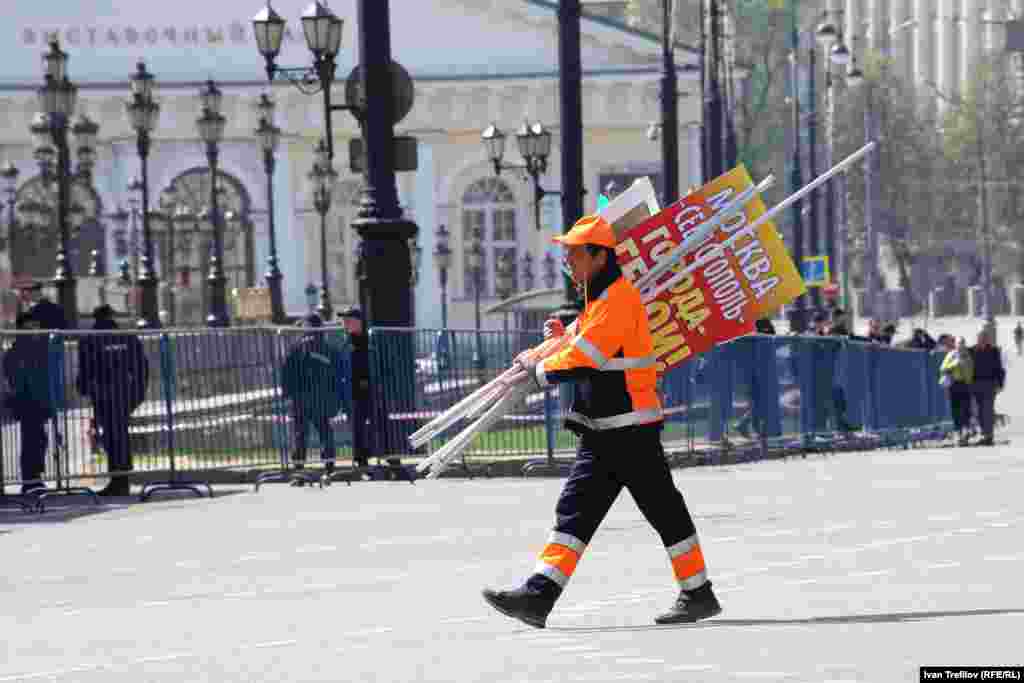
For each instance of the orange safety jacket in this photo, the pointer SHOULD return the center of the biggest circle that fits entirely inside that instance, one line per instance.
(611, 359)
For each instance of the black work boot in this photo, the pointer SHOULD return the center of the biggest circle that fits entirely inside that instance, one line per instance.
(691, 606)
(525, 604)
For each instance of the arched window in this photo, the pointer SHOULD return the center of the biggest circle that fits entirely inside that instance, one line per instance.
(488, 210)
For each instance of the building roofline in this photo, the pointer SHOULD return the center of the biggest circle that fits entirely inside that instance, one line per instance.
(424, 78)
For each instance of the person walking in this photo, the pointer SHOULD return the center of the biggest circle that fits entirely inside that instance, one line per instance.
(989, 379)
(1018, 337)
(618, 417)
(956, 374)
(312, 380)
(113, 374)
(361, 414)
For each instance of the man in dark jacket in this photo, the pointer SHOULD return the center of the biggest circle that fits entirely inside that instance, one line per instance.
(27, 369)
(113, 373)
(989, 379)
(312, 379)
(361, 415)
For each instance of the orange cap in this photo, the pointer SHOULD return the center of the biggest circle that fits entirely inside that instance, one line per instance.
(589, 230)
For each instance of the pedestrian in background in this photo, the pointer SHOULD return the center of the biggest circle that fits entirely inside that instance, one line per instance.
(312, 380)
(1018, 337)
(27, 369)
(956, 374)
(361, 414)
(989, 379)
(113, 374)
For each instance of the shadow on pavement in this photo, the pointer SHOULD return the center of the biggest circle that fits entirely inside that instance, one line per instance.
(891, 617)
(66, 509)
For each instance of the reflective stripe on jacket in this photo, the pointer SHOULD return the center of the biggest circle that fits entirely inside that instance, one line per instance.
(611, 359)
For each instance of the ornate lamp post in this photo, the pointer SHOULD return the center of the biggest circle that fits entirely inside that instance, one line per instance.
(9, 173)
(58, 98)
(143, 112)
(385, 256)
(323, 176)
(550, 270)
(269, 136)
(475, 262)
(534, 142)
(443, 261)
(837, 54)
(527, 275)
(211, 130)
(505, 280)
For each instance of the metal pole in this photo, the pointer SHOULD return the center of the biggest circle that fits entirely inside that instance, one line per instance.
(218, 314)
(147, 280)
(799, 318)
(870, 200)
(444, 298)
(380, 223)
(64, 278)
(570, 83)
(172, 268)
(324, 309)
(705, 108)
(814, 245)
(988, 310)
(669, 110)
(831, 187)
(716, 138)
(274, 275)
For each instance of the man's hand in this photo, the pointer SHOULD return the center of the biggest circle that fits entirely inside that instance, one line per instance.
(529, 366)
(553, 327)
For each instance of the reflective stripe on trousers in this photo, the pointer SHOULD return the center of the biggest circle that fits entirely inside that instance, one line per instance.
(688, 563)
(559, 558)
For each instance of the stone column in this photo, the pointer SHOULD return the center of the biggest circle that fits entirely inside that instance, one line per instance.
(947, 48)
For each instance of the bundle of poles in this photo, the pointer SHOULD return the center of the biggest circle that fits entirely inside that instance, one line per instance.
(490, 403)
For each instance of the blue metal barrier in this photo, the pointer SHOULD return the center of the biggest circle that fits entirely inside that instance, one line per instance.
(796, 392)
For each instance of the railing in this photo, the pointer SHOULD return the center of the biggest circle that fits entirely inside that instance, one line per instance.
(213, 401)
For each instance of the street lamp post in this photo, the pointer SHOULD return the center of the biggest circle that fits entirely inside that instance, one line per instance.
(871, 190)
(385, 232)
(836, 53)
(9, 173)
(669, 105)
(415, 257)
(211, 130)
(143, 112)
(443, 261)
(58, 98)
(475, 261)
(269, 136)
(798, 321)
(323, 176)
(534, 142)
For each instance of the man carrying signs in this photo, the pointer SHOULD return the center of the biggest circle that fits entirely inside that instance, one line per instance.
(617, 415)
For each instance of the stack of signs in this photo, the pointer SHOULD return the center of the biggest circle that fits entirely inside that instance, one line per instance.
(722, 299)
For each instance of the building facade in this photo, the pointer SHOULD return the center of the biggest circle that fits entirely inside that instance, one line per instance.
(930, 41)
(473, 63)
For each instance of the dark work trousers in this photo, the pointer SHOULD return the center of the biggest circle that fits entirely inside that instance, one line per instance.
(305, 418)
(606, 462)
(33, 447)
(361, 439)
(112, 418)
(984, 392)
(960, 405)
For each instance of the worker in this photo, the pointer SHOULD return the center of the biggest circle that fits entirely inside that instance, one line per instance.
(618, 417)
